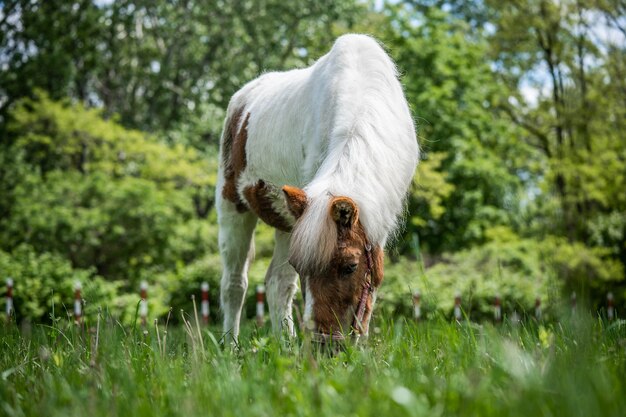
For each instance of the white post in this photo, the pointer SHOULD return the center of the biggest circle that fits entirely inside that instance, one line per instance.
(205, 302)
(143, 304)
(417, 308)
(78, 302)
(260, 304)
(573, 300)
(9, 298)
(515, 319)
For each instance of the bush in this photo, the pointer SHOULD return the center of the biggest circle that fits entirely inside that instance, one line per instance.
(516, 269)
(118, 226)
(91, 200)
(44, 285)
(185, 282)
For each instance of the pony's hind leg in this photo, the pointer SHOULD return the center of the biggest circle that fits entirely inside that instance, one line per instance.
(281, 286)
(237, 250)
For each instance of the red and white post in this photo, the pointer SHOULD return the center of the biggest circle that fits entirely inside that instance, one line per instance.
(143, 304)
(9, 299)
(538, 308)
(417, 305)
(205, 302)
(497, 309)
(457, 307)
(260, 305)
(78, 302)
(610, 310)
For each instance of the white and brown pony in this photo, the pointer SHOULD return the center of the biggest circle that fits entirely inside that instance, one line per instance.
(325, 155)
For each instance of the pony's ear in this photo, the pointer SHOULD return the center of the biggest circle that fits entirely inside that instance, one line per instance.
(344, 211)
(296, 200)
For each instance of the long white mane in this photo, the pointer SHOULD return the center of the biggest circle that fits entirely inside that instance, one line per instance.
(346, 130)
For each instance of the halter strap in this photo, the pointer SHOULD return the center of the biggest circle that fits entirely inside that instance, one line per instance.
(367, 288)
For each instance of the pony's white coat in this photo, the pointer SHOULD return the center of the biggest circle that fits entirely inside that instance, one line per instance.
(341, 127)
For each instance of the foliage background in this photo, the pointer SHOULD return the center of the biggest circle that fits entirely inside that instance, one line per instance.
(110, 114)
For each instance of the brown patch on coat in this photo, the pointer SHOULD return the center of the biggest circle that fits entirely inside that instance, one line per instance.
(261, 198)
(336, 290)
(296, 200)
(234, 157)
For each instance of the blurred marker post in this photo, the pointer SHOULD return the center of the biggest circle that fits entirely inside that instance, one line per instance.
(573, 300)
(143, 304)
(205, 302)
(457, 306)
(417, 308)
(78, 302)
(9, 299)
(538, 308)
(497, 309)
(260, 304)
(610, 310)
(515, 318)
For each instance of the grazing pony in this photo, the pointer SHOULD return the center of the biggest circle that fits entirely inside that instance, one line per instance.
(325, 155)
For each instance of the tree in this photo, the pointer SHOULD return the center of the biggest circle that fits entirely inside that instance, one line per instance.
(157, 64)
(576, 120)
(51, 45)
(452, 92)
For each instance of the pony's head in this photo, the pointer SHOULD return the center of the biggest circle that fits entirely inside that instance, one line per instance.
(340, 269)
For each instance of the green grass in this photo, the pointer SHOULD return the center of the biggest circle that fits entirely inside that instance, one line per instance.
(425, 369)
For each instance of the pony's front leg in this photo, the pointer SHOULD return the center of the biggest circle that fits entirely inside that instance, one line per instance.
(236, 250)
(281, 286)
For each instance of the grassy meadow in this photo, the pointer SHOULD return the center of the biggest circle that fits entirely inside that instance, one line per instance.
(433, 368)
(111, 114)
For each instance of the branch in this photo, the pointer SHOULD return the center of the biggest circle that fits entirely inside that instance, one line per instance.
(544, 144)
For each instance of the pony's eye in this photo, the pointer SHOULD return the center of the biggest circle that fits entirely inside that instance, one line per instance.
(348, 269)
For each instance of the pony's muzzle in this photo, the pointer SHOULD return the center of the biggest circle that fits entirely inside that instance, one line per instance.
(326, 338)
(330, 344)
